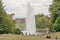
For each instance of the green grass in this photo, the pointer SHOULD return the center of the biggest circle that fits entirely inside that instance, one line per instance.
(55, 34)
(18, 37)
(22, 37)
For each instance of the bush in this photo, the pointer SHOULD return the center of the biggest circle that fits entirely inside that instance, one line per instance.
(17, 31)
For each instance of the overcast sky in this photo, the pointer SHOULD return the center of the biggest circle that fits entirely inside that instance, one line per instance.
(19, 7)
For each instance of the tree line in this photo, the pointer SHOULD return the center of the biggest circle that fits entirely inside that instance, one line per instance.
(52, 22)
(7, 24)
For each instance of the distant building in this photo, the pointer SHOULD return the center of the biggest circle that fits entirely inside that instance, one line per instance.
(20, 20)
(23, 22)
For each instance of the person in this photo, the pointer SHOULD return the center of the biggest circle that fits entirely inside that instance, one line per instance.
(56, 38)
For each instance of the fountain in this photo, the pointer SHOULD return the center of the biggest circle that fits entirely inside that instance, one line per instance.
(30, 21)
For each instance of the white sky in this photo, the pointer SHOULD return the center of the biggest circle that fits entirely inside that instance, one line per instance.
(19, 7)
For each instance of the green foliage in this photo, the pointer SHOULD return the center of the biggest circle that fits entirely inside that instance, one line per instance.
(55, 10)
(17, 31)
(21, 26)
(58, 20)
(42, 21)
(6, 22)
(55, 27)
(55, 16)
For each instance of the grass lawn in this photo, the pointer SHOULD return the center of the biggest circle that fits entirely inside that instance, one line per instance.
(55, 34)
(21, 37)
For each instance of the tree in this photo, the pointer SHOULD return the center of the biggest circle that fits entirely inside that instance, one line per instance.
(6, 22)
(42, 21)
(55, 15)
